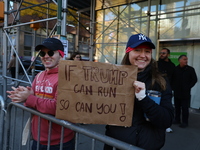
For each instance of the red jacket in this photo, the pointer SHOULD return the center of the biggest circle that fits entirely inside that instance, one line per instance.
(44, 100)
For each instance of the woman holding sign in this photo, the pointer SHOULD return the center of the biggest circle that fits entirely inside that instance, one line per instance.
(152, 115)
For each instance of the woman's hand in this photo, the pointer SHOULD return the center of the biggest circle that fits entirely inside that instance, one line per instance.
(140, 90)
(20, 94)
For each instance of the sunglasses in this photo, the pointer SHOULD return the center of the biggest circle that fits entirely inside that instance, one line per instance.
(50, 53)
(78, 57)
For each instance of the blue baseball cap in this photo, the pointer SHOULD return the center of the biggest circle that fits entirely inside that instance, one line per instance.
(137, 39)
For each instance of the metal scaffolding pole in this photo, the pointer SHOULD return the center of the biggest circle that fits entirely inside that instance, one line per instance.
(92, 22)
(7, 28)
(62, 6)
(77, 34)
(64, 19)
(28, 23)
(59, 17)
(33, 53)
(148, 17)
(5, 41)
(17, 40)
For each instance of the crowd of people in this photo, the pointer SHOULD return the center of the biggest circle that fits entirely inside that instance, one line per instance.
(161, 75)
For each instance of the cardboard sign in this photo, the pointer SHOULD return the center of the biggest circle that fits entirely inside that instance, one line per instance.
(95, 93)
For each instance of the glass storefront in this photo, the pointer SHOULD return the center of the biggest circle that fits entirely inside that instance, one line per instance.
(169, 23)
(168, 20)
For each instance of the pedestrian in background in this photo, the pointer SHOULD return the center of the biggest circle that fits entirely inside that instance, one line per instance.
(147, 134)
(167, 67)
(75, 56)
(12, 67)
(184, 78)
(42, 97)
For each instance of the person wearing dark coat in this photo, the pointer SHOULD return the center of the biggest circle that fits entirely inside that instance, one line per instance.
(165, 65)
(148, 134)
(184, 78)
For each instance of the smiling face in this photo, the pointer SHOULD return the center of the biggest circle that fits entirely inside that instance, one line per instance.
(50, 62)
(140, 57)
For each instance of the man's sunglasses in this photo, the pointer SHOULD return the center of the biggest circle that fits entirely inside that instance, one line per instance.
(162, 53)
(50, 53)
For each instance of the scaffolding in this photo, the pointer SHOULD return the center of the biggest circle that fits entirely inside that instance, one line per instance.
(59, 22)
(59, 27)
(168, 25)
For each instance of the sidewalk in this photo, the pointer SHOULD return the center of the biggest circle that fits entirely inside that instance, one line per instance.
(185, 138)
(180, 139)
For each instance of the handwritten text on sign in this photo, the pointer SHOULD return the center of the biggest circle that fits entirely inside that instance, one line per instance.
(97, 93)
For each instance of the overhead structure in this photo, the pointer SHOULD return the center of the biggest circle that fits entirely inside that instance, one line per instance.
(53, 15)
(172, 24)
(53, 20)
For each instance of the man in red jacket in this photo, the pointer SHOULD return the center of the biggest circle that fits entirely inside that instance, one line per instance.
(42, 97)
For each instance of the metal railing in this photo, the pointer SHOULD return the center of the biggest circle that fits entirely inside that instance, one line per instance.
(2, 117)
(18, 114)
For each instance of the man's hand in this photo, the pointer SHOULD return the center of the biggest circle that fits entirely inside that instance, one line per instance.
(20, 94)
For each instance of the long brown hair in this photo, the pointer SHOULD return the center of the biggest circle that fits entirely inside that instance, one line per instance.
(157, 77)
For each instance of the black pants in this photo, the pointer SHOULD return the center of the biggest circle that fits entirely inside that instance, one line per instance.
(182, 108)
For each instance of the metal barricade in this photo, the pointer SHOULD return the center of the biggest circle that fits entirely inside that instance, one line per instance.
(17, 116)
(2, 117)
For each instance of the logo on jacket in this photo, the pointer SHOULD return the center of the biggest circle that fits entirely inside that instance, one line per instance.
(44, 87)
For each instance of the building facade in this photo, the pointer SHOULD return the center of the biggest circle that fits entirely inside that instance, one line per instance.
(169, 23)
